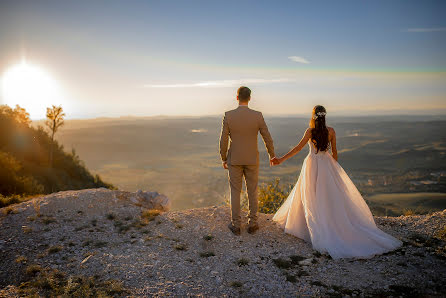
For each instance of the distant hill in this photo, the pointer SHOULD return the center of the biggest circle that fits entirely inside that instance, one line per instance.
(24, 160)
(179, 156)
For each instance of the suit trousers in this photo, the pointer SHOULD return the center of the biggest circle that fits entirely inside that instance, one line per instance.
(251, 175)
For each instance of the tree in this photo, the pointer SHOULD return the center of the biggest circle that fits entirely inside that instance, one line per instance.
(21, 115)
(54, 120)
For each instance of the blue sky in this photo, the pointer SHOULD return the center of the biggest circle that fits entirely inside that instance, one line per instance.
(112, 58)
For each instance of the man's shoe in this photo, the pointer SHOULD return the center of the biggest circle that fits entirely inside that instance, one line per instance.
(234, 230)
(253, 229)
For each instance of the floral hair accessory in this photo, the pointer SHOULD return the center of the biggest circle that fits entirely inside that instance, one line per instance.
(319, 114)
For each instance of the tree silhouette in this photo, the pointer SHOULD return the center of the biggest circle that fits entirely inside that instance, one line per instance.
(54, 120)
(21, 115)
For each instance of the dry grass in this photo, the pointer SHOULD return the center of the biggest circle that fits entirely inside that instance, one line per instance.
(236, 284)
(242, 262)
(180, 247)
(408, 212)
(54, 249)
(55, 283)
(9, 210)
(33, 269)
(207, 254)
(208, 237)
(150, 214)
(21, 259)
(441, 234)
(26, 229)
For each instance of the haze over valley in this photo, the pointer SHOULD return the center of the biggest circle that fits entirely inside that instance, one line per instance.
(178, 156)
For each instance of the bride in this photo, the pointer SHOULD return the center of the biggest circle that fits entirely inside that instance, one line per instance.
(324, 207)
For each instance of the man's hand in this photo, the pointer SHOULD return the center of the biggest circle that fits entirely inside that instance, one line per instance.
(225, 165)
(274, 161)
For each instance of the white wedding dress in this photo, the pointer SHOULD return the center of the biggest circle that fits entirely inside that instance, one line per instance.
(326, 209)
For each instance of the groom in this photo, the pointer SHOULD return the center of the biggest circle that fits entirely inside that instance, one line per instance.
(241, 126)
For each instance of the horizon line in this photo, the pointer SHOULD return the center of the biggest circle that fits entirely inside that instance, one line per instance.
(353, 114)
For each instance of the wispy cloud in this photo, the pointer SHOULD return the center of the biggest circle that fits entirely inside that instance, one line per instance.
(298, 59)
(434, 29)
(221, 83)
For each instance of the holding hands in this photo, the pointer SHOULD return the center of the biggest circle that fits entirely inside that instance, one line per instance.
(275, 161)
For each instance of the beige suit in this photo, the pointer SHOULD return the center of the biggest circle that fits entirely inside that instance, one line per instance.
(241, 126)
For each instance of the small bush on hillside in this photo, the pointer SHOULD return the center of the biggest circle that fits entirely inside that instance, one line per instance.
(25, 168)
(272, 195)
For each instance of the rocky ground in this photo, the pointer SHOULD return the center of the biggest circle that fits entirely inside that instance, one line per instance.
(98, 241)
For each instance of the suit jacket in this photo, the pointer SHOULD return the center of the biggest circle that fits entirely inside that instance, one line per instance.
(241, 126)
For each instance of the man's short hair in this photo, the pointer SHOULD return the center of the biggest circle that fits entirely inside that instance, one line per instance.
(244, 93)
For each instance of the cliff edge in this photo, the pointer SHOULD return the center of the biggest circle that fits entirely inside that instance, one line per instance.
(100, 241)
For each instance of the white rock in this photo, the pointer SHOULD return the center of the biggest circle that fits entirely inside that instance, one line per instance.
(306, 262)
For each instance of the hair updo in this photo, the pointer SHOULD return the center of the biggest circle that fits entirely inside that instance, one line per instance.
(319, 130)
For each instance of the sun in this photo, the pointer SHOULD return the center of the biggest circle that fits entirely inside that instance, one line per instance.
(30, 87)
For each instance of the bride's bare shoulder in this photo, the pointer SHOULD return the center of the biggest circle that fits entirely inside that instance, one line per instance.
(331, 130)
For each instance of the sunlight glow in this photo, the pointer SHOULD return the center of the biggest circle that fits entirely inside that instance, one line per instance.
(30, 87)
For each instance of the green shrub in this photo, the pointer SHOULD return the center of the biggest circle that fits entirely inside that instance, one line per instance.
(272, 195)
(24, 160)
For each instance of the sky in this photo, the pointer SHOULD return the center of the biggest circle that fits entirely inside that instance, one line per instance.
(144, 58)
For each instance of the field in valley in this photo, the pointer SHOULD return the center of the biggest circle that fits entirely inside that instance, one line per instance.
(179, 156)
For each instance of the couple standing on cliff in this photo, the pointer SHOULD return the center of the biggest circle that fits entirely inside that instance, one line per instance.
(324, 208)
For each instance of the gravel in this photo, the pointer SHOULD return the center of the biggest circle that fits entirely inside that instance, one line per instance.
(192, 252)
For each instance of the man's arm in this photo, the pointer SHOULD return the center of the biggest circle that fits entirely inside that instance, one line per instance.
(266, 136)
(224, 139)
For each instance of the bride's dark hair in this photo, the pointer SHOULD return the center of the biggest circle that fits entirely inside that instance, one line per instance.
(319, 130)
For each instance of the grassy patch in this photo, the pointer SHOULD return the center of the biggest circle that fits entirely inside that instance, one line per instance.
(441, 234)
(236, 284)
(207, 254)
(54, 249)
(408, 212)
(55, 283)
(15, 199)
(121, 226)
(180, 247)
(99, 244)
(150, 214)
(26, 229)
(208, 237)
(282, 263)
(9, 210)
(295, 259)
(242, 262)
(33, 269)
(110, 216)
(21, 259)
